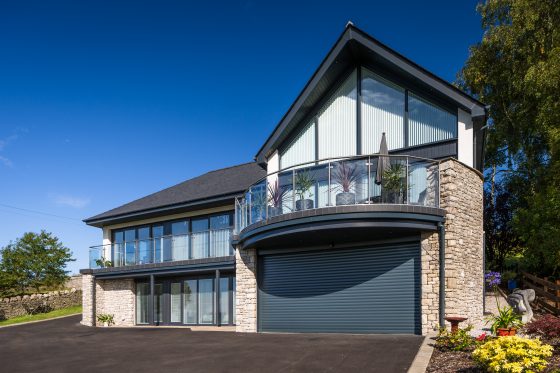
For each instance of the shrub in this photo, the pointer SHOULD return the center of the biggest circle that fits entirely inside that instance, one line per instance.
(547, 327)
(106, 318)
(512, 354)
(459, 341)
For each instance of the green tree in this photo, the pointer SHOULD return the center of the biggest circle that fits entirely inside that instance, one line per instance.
(34, 261)
(516, 70)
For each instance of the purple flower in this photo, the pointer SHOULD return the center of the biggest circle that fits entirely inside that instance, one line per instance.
(493, 278)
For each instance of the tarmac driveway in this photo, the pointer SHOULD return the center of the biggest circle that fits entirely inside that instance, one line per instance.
(63, 345)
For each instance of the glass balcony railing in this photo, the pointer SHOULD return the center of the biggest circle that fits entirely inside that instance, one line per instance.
(206, 244)
(358, 180)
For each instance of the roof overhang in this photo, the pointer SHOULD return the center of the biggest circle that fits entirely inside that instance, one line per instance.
(223, 200)
(355, 47)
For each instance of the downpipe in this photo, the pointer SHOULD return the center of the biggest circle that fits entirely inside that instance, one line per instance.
(441, 235)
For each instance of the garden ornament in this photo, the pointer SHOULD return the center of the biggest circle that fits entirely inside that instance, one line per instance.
(520, 301)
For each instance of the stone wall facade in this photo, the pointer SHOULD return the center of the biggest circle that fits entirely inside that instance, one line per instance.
(117, 298)
(113, 297)
(461, 197)
(88, 303)
(38, 303)
(246, 290)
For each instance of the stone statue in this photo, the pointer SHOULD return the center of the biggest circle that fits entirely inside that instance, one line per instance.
(520, 301)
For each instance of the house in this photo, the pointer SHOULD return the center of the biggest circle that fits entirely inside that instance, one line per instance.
(323, 232)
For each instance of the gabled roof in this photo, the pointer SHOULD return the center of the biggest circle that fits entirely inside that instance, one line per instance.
(354, 45)
(212, 188)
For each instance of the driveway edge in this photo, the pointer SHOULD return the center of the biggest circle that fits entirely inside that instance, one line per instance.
(36, 321)
(423, 356)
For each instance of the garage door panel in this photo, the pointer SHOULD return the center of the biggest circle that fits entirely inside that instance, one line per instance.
(362, 290)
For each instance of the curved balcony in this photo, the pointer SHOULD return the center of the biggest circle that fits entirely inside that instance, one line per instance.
(388, 183)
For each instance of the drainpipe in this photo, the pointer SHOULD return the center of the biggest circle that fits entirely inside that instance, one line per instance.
(441, 234)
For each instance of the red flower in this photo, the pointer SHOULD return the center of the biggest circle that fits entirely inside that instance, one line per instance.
(481, 337)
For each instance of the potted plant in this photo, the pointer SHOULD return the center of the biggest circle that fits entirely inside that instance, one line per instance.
(106, 319)
(303, 183)
(103, 263)
(345, 175)
(276, 197)
(506, 322)
(394, 184)
(510, 277)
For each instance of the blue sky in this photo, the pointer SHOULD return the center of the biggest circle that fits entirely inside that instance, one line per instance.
(103, 102)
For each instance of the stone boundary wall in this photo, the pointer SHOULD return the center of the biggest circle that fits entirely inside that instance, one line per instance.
(74, 282)
(39, 303)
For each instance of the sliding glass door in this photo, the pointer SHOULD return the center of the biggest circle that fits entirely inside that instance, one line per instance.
(190, 301)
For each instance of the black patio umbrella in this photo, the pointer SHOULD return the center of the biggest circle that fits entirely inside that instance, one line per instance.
(383, 163)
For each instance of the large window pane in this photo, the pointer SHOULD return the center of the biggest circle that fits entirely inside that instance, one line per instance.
(301, 149)
(428, 123)
(200, 238)
(337, 122)
(175, 302)
(180, 227)
(130, 246)
(220, 221)
(142, 294)
(220, 242)
(224, 300)
(206, 301)
(158, 302)
(382, 107)
(157, 232)
(190, 302)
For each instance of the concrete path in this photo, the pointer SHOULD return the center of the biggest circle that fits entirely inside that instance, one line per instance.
(63, 345)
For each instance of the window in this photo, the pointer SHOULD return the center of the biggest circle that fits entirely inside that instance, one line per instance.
(142, 294)
(336, 122)
(301, 149)
(224, 300)
(206, 301)
(382, 108)
(190, 301)
(220, 235)
(173, 240)
(200, 237)
(428, 123)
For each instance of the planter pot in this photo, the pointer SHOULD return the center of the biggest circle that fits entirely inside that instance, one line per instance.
(105, 324)
(345, 198)
(512, 284)
(274, 211)
(390, 196)
(504, 332)
(305, 204)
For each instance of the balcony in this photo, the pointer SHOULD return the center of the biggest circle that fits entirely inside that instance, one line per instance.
(212, 243)
(404, 182)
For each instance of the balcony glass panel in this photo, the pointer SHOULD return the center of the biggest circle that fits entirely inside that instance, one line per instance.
(345, 181)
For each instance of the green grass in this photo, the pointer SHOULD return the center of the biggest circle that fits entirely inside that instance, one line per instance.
(42, 316)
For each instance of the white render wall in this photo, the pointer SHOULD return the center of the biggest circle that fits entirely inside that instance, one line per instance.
(465, 138)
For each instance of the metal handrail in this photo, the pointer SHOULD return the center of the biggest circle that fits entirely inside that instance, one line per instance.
(337, 159)
(244, 203)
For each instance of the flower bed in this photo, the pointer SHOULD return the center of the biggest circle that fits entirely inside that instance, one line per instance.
(539, 352)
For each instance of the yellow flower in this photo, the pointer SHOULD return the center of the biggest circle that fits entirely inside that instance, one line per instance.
(513, 355)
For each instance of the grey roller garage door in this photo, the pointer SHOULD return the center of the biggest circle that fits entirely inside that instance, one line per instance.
(358, 290)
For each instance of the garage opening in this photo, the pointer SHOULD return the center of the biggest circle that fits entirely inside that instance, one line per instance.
(373, 289)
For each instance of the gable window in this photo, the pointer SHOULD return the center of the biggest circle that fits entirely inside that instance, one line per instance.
(336, 121)
(301, 149)
(428, 123)
(382, 108)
